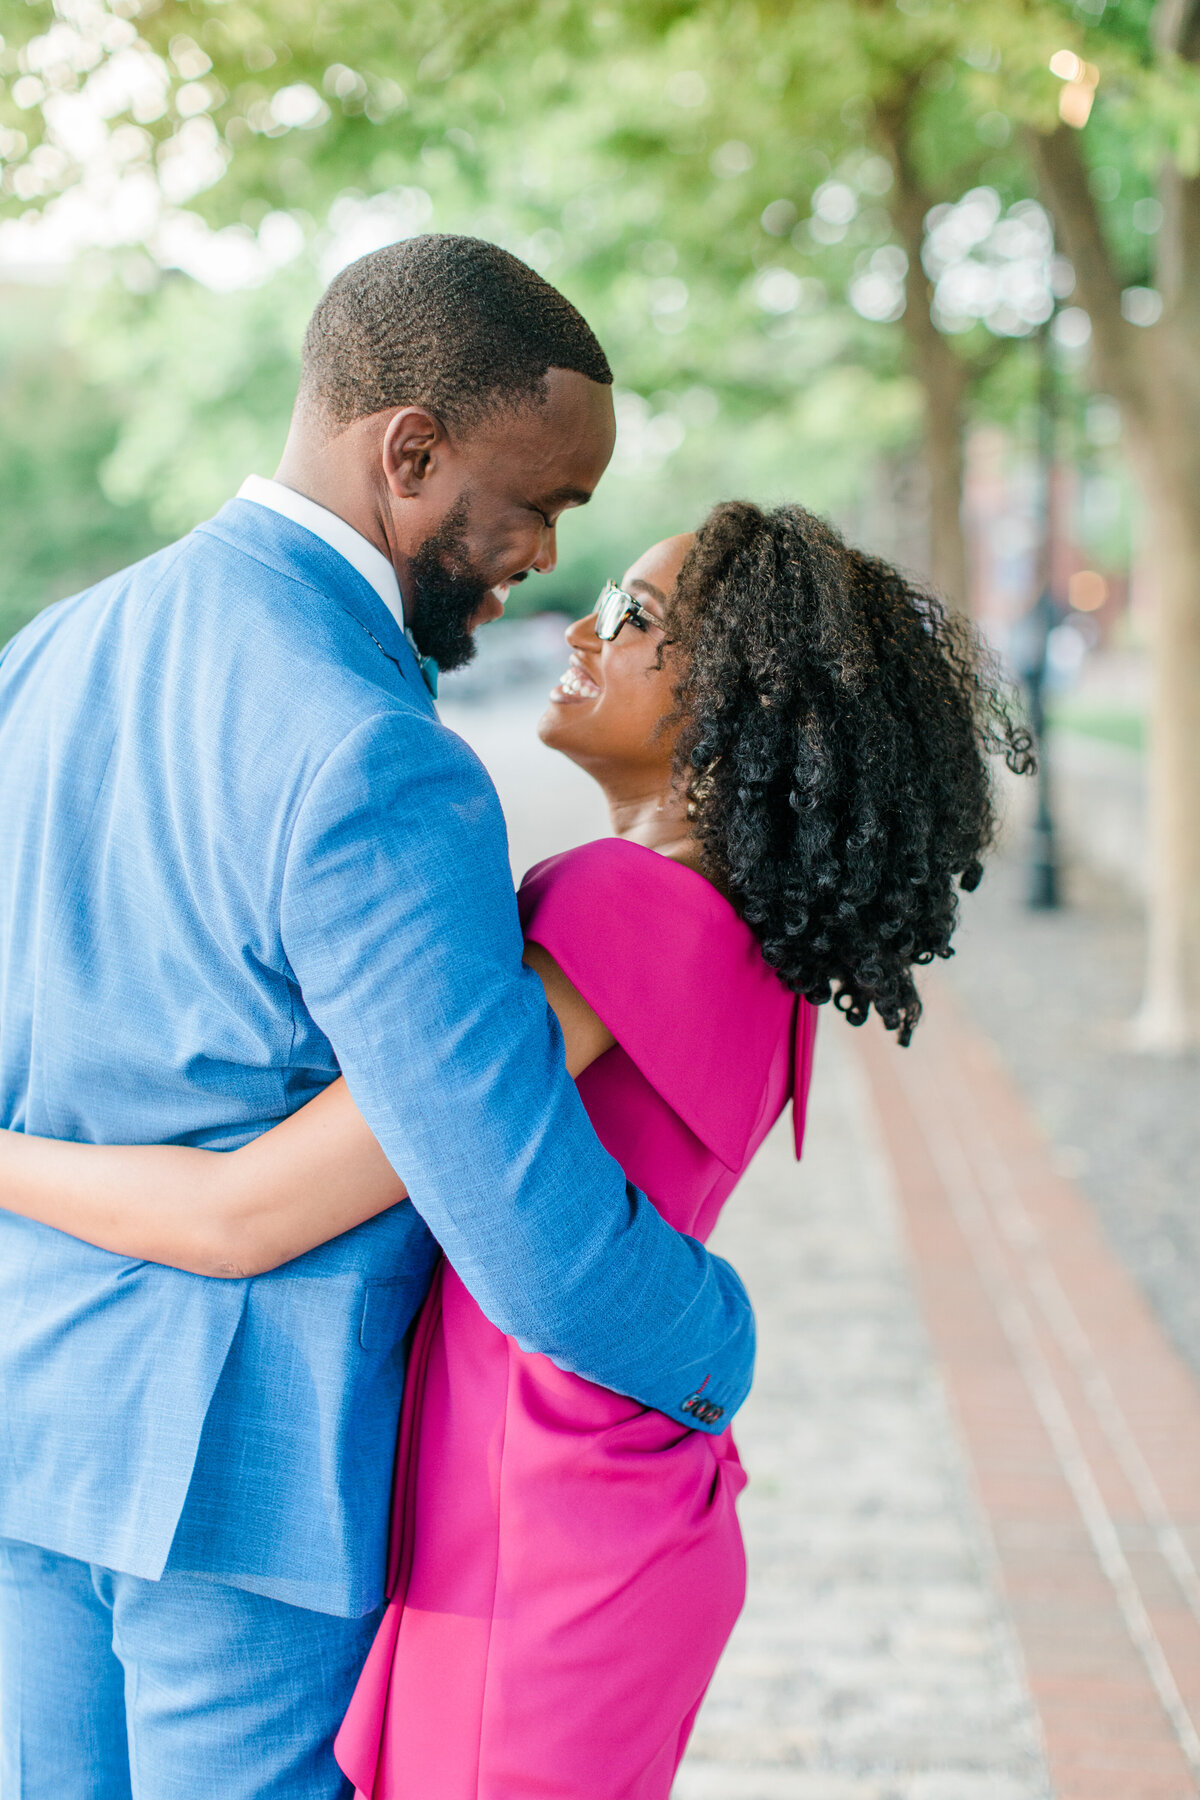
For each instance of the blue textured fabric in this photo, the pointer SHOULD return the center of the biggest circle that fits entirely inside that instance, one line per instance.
(238, 851)
(115, 1688)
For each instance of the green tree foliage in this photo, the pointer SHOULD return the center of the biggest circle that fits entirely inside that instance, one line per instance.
(600, 166)
(710, 181)
(206, 383)
(57, 525)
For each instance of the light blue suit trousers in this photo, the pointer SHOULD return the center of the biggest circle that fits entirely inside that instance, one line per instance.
(117, 1688)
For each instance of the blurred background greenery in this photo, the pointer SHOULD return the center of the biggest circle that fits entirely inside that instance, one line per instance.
(929, 266)
(714, 185)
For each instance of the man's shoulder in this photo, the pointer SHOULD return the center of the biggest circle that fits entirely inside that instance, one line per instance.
(223, 648)
(89, 603)
(125, 599)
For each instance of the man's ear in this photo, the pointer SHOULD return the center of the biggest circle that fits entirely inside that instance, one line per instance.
(414, 445)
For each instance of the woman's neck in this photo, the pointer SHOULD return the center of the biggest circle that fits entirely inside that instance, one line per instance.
(656, 818)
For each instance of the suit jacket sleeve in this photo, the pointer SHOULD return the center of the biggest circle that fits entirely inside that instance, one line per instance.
(400, 924)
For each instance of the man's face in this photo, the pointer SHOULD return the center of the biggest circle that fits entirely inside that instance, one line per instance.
(494, 499)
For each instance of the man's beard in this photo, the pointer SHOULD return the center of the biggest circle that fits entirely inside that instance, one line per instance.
(447, 593)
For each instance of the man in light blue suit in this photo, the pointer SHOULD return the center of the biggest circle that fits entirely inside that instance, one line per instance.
(239, 853)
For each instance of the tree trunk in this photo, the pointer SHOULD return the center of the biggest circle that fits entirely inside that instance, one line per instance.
(940, 371)
(1154, 375)
(1169, 1020)
(944, 461)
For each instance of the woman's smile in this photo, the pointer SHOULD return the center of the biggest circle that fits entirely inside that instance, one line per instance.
(575, 685)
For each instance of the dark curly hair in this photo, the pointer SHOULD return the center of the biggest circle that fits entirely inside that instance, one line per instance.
(836, 725)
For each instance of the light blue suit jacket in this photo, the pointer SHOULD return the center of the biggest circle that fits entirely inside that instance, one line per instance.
(238, 852)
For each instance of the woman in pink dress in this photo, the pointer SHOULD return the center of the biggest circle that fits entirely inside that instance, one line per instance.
(793, 742)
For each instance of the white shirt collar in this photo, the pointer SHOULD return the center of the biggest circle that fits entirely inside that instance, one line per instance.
(362, 555)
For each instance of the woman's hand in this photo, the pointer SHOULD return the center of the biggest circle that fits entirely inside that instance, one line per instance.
(232, 1214)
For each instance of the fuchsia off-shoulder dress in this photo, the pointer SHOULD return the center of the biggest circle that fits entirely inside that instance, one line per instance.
(566, 1565)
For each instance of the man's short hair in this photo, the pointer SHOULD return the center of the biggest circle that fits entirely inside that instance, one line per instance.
(453, 324)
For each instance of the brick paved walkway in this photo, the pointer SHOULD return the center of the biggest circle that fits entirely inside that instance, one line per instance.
(1081, 1421)
(974, 1514)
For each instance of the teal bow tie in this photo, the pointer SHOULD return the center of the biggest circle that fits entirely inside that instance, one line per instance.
(429, 668)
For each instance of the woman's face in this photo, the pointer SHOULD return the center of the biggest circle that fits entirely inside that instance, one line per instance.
(606, 711)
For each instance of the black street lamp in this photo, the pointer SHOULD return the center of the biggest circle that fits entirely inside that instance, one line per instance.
(1044, 886)
(1044, 889)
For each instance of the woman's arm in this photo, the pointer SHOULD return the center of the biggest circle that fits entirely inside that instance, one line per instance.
(584, 1035)
(240, 1212)
(227, 1213)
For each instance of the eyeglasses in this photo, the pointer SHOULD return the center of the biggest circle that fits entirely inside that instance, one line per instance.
(615, 608)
